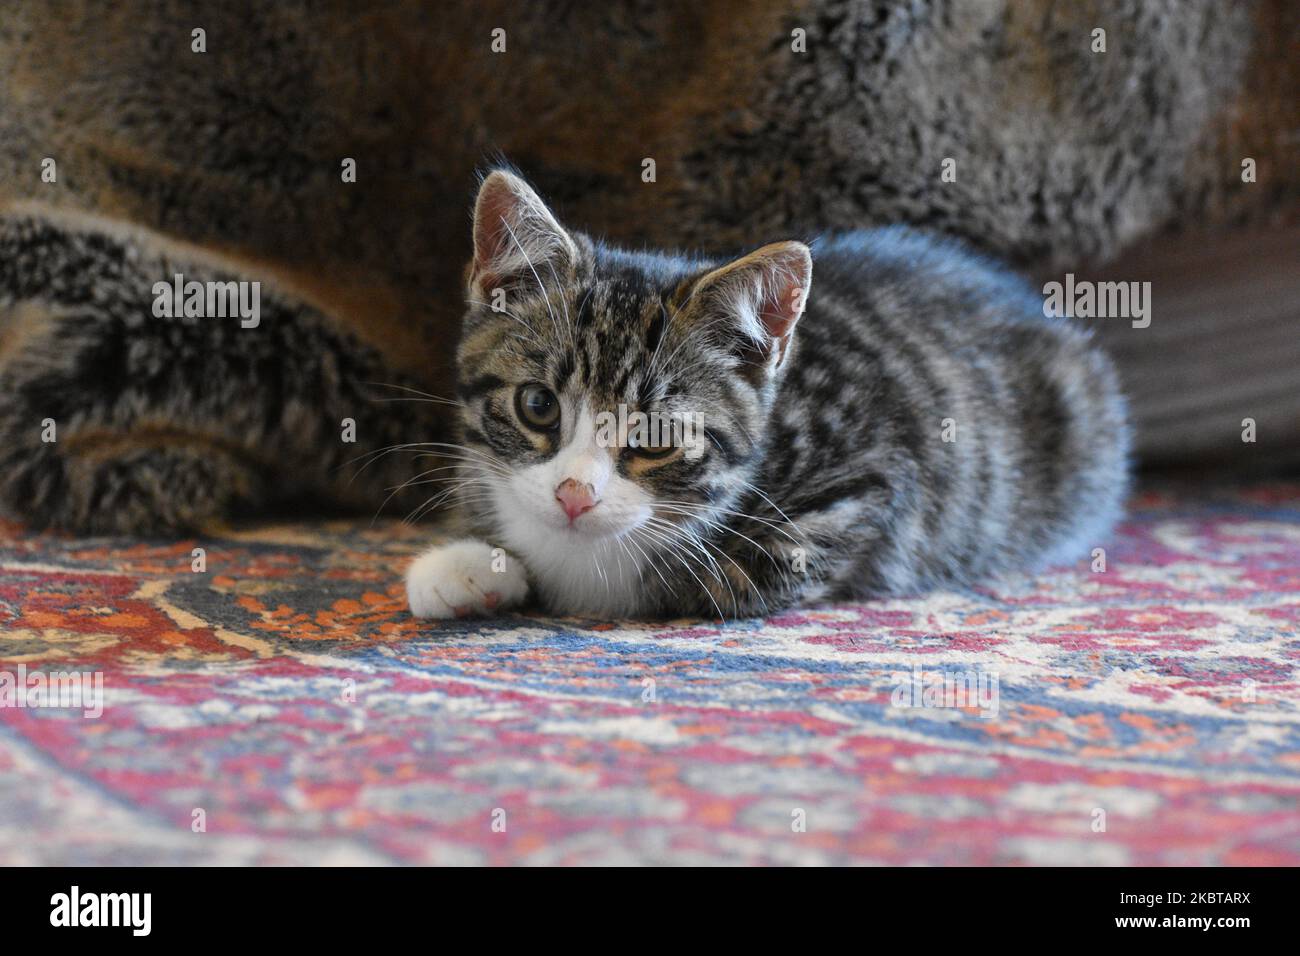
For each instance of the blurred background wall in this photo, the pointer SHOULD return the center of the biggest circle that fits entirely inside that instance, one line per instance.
(763, 120)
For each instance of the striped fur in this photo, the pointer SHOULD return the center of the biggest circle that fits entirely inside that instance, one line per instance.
(826, 477)
(170, 425)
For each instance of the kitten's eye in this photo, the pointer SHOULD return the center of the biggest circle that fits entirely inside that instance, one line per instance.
(537, 407)
(654, 451)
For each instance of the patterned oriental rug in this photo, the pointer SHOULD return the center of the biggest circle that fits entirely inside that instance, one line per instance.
(281, 706)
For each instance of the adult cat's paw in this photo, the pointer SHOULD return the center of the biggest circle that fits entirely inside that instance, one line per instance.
(463, 578)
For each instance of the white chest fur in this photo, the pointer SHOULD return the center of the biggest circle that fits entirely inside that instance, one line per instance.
(572, 574)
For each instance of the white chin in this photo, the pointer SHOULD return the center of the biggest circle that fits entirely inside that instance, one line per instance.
(592, 526)
(582, 530)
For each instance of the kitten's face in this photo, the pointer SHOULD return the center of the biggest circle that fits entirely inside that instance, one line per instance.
(613, 396)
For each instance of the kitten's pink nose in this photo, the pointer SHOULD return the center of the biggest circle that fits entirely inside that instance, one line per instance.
(575, 498)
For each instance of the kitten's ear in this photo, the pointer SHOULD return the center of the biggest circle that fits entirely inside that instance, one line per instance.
(766, 291)
(516, 239)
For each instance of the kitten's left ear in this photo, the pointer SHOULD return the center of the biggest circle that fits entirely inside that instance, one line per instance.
(766, 292)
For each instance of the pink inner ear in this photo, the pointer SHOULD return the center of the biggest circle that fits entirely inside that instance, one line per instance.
(782, 308)
(495, 208)
(785, 289)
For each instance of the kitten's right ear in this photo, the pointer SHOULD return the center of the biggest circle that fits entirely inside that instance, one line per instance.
(517, 241)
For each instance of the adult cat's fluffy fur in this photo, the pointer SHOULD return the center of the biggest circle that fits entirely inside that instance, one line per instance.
(228, 162)
(921, 425)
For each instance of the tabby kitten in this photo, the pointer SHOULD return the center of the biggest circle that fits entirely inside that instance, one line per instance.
(653, 435)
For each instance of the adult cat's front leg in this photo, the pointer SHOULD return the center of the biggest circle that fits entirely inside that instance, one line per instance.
(122, 414)
(464, 577)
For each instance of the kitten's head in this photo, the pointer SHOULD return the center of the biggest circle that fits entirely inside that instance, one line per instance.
(609, 393)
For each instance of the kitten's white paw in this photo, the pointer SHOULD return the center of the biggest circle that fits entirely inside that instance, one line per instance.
(463, 578)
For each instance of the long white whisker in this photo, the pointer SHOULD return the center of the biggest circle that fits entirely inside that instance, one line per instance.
(706, 543)
(424, 396)
(696, 544)
(689, 505)
(682, 559)
(727, 529)
(517, 318)
(648, 560)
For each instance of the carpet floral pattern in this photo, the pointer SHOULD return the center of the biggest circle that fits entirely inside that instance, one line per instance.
(279, 705)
